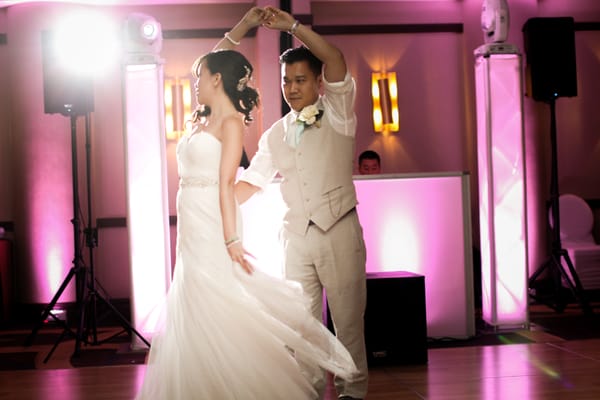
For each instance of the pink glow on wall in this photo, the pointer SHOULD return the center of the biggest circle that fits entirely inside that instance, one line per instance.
(49, 204)
(417, 223)
(53, 253)
(503, 235)
(55, 268)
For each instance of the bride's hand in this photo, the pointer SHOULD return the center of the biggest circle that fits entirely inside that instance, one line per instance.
(256, 16)
(238, 255)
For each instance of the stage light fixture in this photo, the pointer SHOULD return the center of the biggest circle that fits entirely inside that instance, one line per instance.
(143, 39)
(149, 30)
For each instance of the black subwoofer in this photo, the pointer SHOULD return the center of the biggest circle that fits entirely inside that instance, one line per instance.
(395, 319)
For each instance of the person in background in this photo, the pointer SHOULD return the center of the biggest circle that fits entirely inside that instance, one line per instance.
(369, 163)
(312, 149)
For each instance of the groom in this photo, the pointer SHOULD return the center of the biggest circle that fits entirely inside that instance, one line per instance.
(312, 148)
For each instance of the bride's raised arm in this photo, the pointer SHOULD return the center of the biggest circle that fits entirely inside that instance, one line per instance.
(256, 16)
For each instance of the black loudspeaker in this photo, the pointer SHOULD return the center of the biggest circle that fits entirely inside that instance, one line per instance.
(64, 92)
(395, 319)
(551, 70)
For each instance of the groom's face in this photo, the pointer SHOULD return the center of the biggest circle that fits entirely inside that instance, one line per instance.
(300, 85)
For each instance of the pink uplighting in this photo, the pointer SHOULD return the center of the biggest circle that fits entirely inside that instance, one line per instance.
(56, 268)
(49, 205)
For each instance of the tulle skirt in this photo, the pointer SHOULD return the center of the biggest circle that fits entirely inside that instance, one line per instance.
(227, 334)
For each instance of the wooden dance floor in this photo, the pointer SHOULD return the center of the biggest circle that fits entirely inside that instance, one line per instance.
(541, 366)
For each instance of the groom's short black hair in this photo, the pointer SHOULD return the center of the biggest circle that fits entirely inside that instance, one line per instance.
(302, 53)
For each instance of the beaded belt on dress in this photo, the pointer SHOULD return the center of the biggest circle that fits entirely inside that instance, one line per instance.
(197, 181)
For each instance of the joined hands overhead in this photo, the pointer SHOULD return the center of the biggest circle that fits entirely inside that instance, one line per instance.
(269, 17)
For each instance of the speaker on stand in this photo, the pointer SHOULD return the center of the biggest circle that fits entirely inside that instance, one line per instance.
(72, 95)
(61, 88)
(551, 69)
(551, 73)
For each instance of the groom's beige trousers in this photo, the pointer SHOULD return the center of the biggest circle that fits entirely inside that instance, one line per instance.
(334, 260)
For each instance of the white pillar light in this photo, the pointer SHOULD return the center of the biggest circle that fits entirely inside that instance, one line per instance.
(146, 172)
(501, 164)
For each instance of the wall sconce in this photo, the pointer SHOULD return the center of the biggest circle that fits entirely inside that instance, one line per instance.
(384, 90)
(178, 106)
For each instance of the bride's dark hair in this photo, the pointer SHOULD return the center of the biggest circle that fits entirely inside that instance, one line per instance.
(236, 72)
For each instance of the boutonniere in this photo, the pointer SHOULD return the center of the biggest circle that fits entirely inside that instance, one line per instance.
(309, 116)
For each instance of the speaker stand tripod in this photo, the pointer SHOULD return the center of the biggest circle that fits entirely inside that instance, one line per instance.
(86, 301)
(554, 265)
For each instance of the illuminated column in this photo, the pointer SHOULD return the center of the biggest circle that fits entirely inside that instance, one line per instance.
(146, 172)
(502, 212)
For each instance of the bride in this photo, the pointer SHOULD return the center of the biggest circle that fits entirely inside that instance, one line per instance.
(230, 330)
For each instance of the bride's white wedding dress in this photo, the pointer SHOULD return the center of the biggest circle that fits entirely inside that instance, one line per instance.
(227, 334)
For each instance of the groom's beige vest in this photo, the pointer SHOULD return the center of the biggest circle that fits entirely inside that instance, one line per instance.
(316, 181)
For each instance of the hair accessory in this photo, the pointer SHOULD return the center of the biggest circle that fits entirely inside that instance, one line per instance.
(233, 42)
(243, 82)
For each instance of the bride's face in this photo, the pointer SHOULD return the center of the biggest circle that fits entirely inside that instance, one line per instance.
(204, 85)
